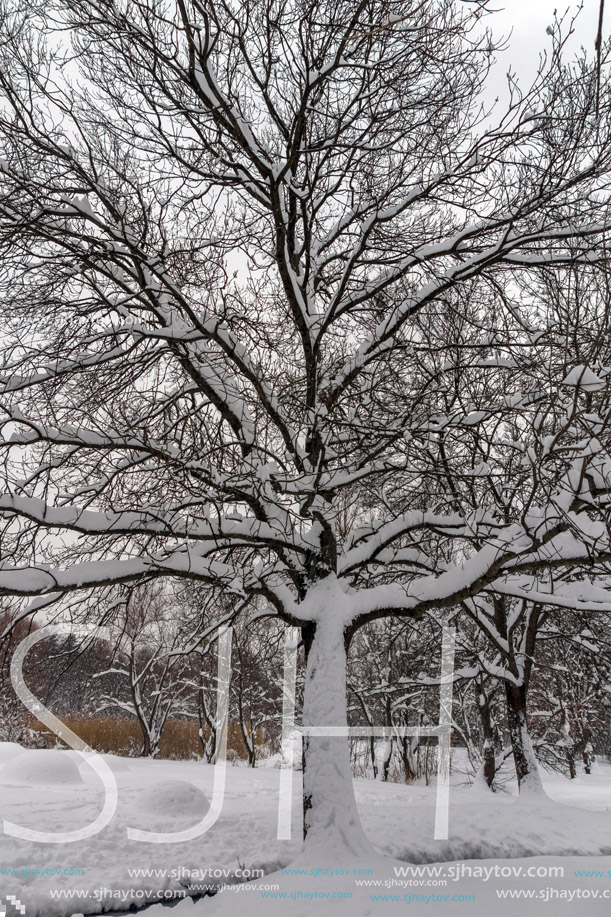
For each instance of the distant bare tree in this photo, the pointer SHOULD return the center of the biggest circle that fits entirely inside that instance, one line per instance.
(256, 682)
(153, 685)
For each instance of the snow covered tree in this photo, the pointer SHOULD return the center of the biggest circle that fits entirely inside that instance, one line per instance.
(563, 410)
(201, 679)
(569, 693)
(144, 661)
(256, 681)
(248, 253)
(370, 689)
(13, 718)
(513, 628)
(393, 681)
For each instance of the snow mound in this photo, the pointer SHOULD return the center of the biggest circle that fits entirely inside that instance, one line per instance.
(41, 766)
(116, 762)
(175, 798)
(9, 750)
(83, 759)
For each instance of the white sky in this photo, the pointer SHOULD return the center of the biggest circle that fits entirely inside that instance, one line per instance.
(527, 20)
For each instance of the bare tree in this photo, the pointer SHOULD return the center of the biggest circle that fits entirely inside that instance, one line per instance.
(13, 719)
(201, 678)
(570, 690)
(144, 659)
(256, 682)
(224, 244)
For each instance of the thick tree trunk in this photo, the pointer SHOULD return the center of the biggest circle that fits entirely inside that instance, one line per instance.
(252, 754)
(206, 720)
(488, 755)
(566, 731)
(331, 822)
(386, 751)
(248, 737)
(488, 768)
(385, 758)
(570, 759)
(146, 744)
(588, 753)
(407, 756)
(527, 770)
(372, 753)
(208, 745)
(155, 746)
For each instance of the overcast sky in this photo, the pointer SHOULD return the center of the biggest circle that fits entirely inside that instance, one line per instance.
(527, 21)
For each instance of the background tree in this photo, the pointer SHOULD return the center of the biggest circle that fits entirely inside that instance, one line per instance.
(256, 684)
(144, 660)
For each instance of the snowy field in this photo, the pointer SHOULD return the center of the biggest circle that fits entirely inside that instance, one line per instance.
(570, 828)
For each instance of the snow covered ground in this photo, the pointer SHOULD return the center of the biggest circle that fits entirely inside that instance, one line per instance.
(569, 830)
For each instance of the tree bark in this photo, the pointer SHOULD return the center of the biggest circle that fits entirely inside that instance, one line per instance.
(407, 758)
(588, 752)
(488, 754)
(570, 758)
(385, 758)
(527, 770)
(331, 819)
(386, 751)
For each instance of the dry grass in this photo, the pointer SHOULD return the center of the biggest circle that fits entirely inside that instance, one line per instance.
(122, 736)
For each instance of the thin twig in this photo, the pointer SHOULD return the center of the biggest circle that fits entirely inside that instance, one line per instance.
(598, 47)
